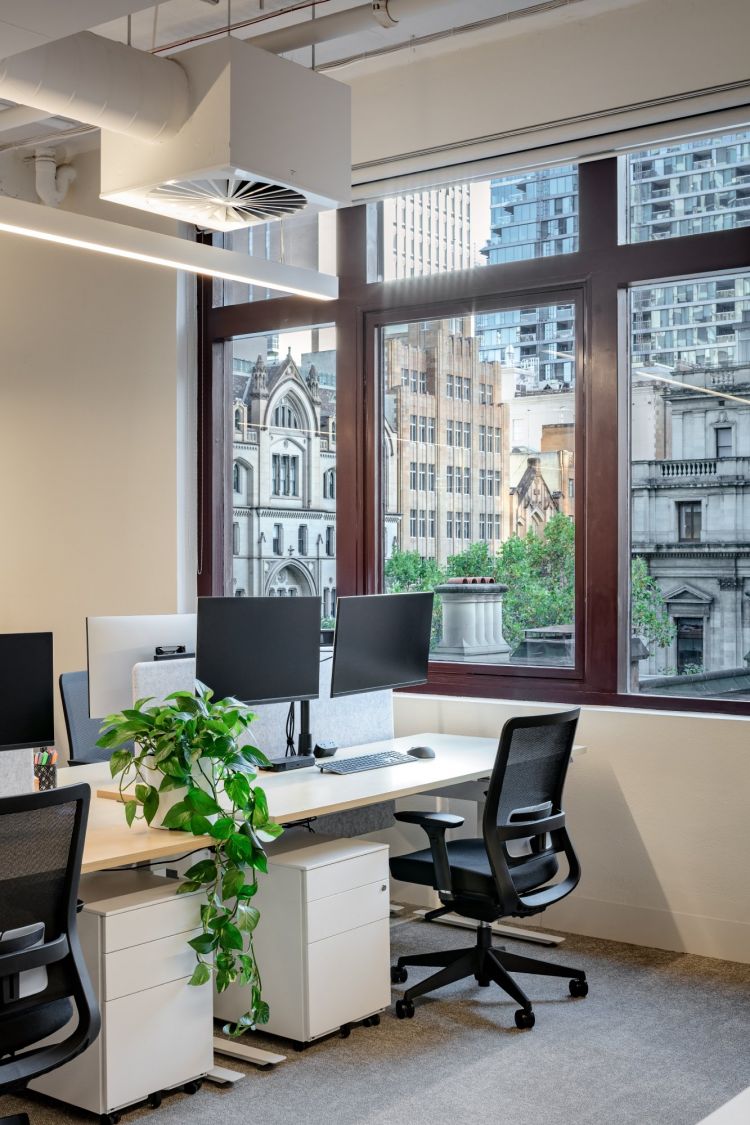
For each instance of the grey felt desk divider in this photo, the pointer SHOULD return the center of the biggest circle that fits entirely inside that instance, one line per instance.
(16, 772)
(348, 721)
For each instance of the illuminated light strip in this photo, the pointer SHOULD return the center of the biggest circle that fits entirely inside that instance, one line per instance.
(83, 232)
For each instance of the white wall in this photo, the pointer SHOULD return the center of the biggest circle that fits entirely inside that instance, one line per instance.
(534, 74)
(657, 809)
(90, 502)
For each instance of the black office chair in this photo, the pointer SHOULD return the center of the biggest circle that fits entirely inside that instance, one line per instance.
(43, 976)
(82, 731)
(480, 879)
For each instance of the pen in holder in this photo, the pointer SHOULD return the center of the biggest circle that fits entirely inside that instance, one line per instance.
(45, 769)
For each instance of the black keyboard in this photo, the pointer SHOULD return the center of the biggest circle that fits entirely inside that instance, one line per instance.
(366, 762)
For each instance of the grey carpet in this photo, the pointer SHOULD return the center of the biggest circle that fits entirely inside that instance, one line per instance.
(661, 1039)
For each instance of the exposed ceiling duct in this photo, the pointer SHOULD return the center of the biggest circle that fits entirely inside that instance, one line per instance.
(101, 82)
(265, 138)
(352, 21)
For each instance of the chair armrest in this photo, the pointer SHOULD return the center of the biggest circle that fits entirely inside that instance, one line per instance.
(436, 824)
(440, 821)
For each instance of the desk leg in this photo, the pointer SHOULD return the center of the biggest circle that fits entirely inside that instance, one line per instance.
(235, 1049)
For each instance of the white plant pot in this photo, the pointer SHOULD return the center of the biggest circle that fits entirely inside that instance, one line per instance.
(171, 797)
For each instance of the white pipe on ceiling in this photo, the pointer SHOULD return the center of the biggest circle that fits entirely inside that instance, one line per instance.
(89, 78)
(365, 17)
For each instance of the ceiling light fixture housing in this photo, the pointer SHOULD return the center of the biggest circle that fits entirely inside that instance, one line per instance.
(265, 139)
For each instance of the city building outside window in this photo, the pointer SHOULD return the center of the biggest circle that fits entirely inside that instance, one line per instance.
(278, 539)
(235, 539)
(413, 523)
(413, 476)
(422, 476)
(330, 541)
(689, 520)
(432, 523)
(449, 478)
(422, 428)
(236, 478)
(723, 441)
(431, 430)
(431, 477)
(302, 539)
(423, 382)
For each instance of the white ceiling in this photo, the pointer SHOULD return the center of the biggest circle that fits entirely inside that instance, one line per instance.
(30, 23)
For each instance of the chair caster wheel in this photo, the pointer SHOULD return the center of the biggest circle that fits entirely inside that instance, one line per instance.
(371, 1021)
(154, 1100)
(109, 1118)
(193, 1087)
(345, 1031)
(405, 1009)
(398, 975)
(578, 987)
(524, 1019)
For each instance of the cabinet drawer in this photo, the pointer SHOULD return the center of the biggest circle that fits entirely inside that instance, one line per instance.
(149, 923)
(348, 977)
(339, 913)
(357, 871)
(145, 966)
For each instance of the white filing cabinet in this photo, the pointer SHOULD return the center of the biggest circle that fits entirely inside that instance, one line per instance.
(323, 940)
(156, 1030)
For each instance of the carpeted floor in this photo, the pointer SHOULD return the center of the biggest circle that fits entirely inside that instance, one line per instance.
(661, 1039)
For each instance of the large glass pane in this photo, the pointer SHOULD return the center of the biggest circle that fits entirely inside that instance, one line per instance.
(693, 187)
(479, 482)
(284, 466)
(307, 240)
(690, 487)
(506, 219)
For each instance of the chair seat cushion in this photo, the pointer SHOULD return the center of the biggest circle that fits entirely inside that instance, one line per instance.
(470, 869)
(20, 1031)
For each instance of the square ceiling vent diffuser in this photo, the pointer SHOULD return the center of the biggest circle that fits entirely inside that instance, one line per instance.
(266, 138)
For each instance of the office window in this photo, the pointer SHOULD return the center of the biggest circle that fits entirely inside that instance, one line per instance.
(530, 523)
(490, 222)
(723, 438)
(422, 428)
(432, 523)
(690, 520)
(481, 394)
(431, 477)
(686, 188)
(330, 541)
(284, 385)
(422, 523)
(413, 427)
(414, 381)
(413, 476)
(235, 538)
(431, 430)
(423, 382)
(404, 376)
(449, 386)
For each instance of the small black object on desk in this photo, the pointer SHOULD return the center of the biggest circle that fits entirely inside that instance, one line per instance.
(421, 752)
(325, 749)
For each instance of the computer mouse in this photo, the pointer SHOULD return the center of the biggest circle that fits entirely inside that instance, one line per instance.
(421, 752)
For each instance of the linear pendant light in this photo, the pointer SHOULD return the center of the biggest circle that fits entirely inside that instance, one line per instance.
(104, 237)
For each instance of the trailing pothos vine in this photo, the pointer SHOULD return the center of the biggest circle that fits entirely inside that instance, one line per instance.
(194, 744)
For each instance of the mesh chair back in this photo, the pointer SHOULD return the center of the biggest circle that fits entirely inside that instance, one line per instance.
(82, 731)
(527, 785)
(41, 847)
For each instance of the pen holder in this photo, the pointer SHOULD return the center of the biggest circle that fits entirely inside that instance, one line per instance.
(45, 776)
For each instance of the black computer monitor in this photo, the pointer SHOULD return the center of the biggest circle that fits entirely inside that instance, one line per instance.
(26, 691)
(259, 650)
(381, 641)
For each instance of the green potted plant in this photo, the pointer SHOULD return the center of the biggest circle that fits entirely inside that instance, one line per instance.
(194, 749)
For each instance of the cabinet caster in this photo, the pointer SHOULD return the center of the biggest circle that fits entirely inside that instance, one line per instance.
(578, 987)
(524, 1019)
(398, 975)
(405, 1009)
(109, 1119)
(345, 1031)
(371, 1021)
(193, 1087)
(299, 1046)
(154, 1100)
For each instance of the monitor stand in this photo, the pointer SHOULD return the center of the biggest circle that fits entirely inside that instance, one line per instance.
(304, 756)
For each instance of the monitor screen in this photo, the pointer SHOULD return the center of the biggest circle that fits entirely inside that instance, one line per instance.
(259, 650)
(381, 641)
(26, 691)
(115, 644)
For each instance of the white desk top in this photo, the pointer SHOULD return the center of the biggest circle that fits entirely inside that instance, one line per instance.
(291, 796)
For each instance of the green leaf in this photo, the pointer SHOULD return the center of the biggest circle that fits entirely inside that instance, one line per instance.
(204, 943)
(247, 890)
(188, 887)
(119, 761)
(131, 807)
(232, 883)
(151, 804)
(202, 872)
(201, 974)
(141, 792)
(178, 816)
(222, 829)
(169, 782)
(230, 937)
(260, 862)
(201, 802)
(239, 848)
(260, 812)
(262, 1012)
(270, 830)
(199, 826)
(238, 789)
(247, 917)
